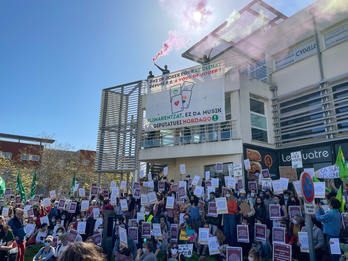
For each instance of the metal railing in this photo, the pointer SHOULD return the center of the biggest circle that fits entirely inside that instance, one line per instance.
(189, 135)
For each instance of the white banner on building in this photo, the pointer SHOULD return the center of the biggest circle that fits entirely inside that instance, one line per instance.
(194, 96)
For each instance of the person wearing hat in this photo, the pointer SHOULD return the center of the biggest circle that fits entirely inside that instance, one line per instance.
(61, 247)
(47, 252)
(245, 206)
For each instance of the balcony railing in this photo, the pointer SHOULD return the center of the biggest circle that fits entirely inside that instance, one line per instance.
(189, 135)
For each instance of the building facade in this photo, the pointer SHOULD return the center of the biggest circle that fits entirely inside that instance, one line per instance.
(285, 90)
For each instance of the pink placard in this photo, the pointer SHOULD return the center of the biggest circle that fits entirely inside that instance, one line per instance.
(189, 182)
(252, 185)
(294, 210)
(161, 185)
(146, 230)
(265, 173)
(212, 212)
(136, 185)
(174, 233)
(106, 193)
(8, 192)
(260, 232)
(243, 233)
(72, 235)
(73, 206)
(174, 187)
(281, 252)
(61, 204)
(94, 191)
(240, 184)
(98, 239)
(224, 190)
(18, 200)
(181, 192)
(208, 183)
(55, 242)
(278, 234)
(234, 254)
(274, 211)
(133, 233)
(137, 193)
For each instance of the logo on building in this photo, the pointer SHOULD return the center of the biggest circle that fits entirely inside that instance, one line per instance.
(268, 161)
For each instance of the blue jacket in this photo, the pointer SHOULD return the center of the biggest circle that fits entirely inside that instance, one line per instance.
(331, 221)
(18, 229)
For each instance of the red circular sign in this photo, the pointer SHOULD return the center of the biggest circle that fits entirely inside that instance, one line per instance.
(307, 187)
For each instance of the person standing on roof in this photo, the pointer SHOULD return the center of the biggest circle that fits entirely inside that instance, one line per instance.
(150, 75)
(165, 70)
(206, 59)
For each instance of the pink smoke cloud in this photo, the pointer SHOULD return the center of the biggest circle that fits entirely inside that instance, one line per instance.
(193, 15)
(173, 41)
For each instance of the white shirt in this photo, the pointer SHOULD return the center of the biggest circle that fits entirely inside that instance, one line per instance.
(59, 250)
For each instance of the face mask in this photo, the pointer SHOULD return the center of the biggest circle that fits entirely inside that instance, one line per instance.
(250, 258)
(324, 201)
(63, 217)
(173, 196)
(174, 251)
(117, 222)
(172, 183)
(84, 219)
(252, 194)
(56, 205)
(286, 198)
(77, 219)
(256, 174)
(59, 234)
(228, 195)
(47, 244)
(53, 220)
(294, 221)
(162, 221)
(35, 218)
(100, 230)
(144, 250)
(127, 198)
(211, 198)
(276, 201)
(261, 195)
(242, 197)
(147, 213)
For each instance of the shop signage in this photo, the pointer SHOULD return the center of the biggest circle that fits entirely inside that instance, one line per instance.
(336, 36)
(311, 155)
(190, 97)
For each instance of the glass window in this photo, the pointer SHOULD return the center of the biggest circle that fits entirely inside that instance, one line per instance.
(257, 106)
(260, 135)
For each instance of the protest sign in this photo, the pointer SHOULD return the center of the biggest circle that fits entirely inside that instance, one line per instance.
(195, 180)
(46, 202)
(212, 212)
(98, 239)
(252, 185)
(186, 250)
(84, 205)
(319, 189)
(282, 252)
(30, 228)
(156, 231)
(278, 234)
(213, 246)
(123, 237)
(82, 192)
(113, 184)
(234, 254)
(5, 212)
(203, 236)
(303, 239)
(115, 191)
(174, 233)
(294, 210)
(277, 187)
(218, 167)
(182, 169)
(170, 203)
(247, 164)
(207, 174)
(152, 198)
(72, 207)
(8, 192)
(215, 183)
(96, 212)
(61, 204)
(181, 192)
(237, 170)
(124, 205)
(52, 194)
(137, 193)
(81, 227)
(72, 235)
(165, 171)
(288, 172)
(260, 232)
(144, 199)
(296, 160)
(133, 233)
(123, 184)
(105, 193)
(198, 191)
(146, 230)
(113, 200)
(284, 182)
(161, 185)
(44, 219)
(266, 184)
(297, 185)
(221, 205)
(274, 211)
(243, 233)
(59, 190)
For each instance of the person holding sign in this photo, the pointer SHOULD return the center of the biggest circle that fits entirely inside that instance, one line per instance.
(7, 238)
(124, 254)
(245, 206)
(194, 210)
(296, 227)
(146, 253)
(173, 253)
(283, 210)
(289, 237)
(212, 221)
(230, 219)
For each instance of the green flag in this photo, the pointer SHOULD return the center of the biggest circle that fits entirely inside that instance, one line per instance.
(73, 185)
(341, 163)
(2, 187)
(33, 186)
(19, 186)
(340, 198)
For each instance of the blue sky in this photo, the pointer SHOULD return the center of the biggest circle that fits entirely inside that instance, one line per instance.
(57, 56)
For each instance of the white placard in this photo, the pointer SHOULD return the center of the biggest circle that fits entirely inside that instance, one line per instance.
(44, 219)
(213, 246)
(182, 184)
(52, 194)
(207, 174)
(113, 184)
(297, 185)
(182, 218)
(231, 183)
(296, 159)
(98, 222)
(215, 183)
(277, 187)
(230, 170)
(210, 189)
(144, 199)
(170, 202)
(82, 192)
(140, 216)
(76, 187)
(46, 202)
(335, 247)
(27, 207)
(221, 205)
(152, 198)
(141, 174)
(123, 184)
(115, 191)
(156, 231)
(123, 236)
(247, 164)
(195, 180)
(237, 170)
(84, 205)
(203, 236)
(124, 205)
(96, 212)
(150, 184)
(284, 182)
(198, 191)
(165, 171)
(310, 172)
(319, 189)
(182, 169)
(81, 227)
(303, 238)
(149, 176)
(30, 228)
(113, 200)
(5, 212)
(330, 172)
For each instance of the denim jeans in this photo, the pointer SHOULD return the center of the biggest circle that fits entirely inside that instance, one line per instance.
(230, 229)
